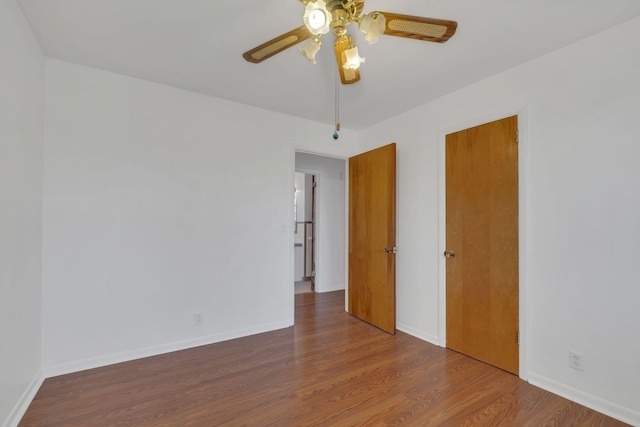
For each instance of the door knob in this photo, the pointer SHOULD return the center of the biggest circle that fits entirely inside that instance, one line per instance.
(449, 254)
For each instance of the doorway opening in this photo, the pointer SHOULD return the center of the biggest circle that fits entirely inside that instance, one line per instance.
(320, 210)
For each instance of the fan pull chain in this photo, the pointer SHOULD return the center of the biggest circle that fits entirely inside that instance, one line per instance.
(337, 108)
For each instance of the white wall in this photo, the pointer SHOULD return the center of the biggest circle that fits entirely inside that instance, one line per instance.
(21, 136)
(581, 242)
(155, 201)
(330, 210)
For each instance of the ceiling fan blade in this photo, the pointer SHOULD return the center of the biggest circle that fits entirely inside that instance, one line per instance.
(277, 45)
(419, 28)
(347, 76)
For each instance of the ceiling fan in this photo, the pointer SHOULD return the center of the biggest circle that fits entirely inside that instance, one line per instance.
(321, 17)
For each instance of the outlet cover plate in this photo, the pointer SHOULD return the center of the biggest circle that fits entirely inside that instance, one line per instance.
(198, 319)
(576, 360)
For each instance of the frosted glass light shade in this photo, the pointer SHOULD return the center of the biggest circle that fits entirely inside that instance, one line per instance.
(373, 25)
(309, 50)
(351, 59)
(317, 18)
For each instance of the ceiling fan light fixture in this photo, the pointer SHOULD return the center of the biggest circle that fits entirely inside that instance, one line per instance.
(351, 59)
(310, 49)
(323, 16)
(317, 18)
(373, 26)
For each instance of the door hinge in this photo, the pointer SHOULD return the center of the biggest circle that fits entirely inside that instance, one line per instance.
(518, 337)
(517, 136)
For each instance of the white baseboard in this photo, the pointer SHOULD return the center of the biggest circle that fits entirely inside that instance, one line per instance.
(111, 359)
(611, 409)
(25, 400)
(432, 339)
(323, 291)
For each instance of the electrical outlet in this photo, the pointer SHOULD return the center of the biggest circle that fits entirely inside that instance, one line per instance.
(576, 361)
(198, 319)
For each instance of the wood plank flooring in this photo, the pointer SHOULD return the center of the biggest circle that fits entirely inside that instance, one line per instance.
(329, 369)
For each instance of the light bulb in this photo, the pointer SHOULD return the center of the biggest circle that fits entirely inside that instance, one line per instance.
(317, 18)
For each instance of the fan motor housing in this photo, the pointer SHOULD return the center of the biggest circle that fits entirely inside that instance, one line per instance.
(343, 13)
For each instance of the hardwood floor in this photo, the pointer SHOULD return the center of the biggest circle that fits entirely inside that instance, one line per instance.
(330, 369)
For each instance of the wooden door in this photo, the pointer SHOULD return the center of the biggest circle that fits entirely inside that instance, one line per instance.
(372, 237)
(482, 243)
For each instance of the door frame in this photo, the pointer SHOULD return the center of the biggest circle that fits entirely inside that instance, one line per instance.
(523, 160)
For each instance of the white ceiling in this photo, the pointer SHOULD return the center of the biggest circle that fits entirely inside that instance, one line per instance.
(198, 45)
